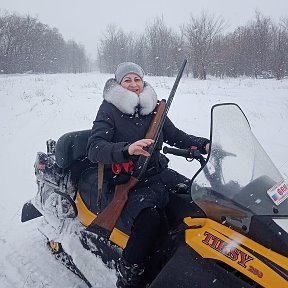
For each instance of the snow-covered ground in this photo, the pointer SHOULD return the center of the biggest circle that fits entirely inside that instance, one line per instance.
(34, 108)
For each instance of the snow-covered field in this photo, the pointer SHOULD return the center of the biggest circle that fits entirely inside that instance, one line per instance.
(34, 108)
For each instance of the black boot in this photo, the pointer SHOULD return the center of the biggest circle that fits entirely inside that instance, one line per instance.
(129, 275)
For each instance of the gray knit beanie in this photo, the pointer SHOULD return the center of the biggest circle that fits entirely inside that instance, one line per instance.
(127, 68)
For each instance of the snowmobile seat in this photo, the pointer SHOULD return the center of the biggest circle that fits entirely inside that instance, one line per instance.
(70, 147)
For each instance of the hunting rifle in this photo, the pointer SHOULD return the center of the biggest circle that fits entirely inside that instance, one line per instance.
(106, 220)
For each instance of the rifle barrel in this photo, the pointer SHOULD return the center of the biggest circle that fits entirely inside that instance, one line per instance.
(143, 161)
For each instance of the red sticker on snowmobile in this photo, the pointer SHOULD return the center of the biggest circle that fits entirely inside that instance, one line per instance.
(279, 192)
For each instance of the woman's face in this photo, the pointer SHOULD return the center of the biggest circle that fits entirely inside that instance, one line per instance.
(133, 83)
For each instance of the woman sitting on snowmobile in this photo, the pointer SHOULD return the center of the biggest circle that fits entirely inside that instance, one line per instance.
(117, 137)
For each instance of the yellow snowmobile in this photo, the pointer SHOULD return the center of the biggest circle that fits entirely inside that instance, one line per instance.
(228, 225)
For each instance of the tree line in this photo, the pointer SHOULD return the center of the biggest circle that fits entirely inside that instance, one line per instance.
(258, 49)
(27, 45)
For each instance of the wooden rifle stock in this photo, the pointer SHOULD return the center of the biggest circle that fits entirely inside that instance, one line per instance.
(105, 221)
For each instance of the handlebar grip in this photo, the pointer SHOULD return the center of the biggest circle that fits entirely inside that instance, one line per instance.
(178, 152)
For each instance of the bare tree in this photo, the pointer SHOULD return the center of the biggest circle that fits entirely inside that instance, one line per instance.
(159, 40)
(279, 50)
(178, 51)
(114, 48)
(29, 45)
(238, 52)
(75, 60)
(138, 51)
(260, 40)
(258, 49)
(10, 42)
(220, 57)
(200, 34)
(248, 48)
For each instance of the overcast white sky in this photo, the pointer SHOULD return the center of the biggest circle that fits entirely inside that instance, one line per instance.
(86, 20)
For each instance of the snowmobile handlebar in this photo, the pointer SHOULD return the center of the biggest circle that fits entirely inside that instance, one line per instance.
(189, 153)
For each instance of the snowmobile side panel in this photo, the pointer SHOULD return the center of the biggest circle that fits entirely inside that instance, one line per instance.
(119, 238)
(84, 214)
(29, 212)
(86, 217)
(278, 238)
(188, 269)
(218, 242)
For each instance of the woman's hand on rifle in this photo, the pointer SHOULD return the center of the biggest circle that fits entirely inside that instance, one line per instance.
(137, 148)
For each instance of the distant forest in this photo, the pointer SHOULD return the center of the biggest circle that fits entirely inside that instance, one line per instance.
(29, 46)
(258, 49)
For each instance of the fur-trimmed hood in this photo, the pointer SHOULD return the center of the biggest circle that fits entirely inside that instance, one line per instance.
(127, 101)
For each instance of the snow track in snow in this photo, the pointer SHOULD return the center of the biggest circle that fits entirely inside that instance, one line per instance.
(26, 261)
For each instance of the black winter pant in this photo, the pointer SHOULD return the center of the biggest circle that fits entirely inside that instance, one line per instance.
(149, 226)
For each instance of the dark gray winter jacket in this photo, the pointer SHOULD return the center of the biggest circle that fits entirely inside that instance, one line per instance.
(124, 117)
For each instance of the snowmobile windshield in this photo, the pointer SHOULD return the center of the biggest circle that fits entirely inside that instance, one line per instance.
(233, 185)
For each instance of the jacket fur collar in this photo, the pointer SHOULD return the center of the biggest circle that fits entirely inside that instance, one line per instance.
(127, 101)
